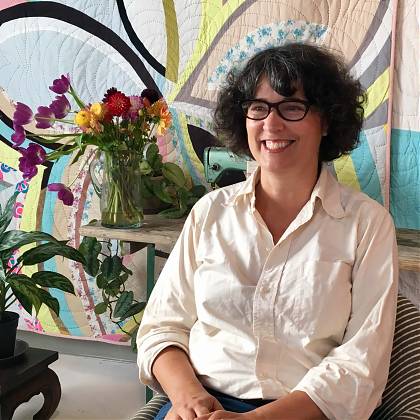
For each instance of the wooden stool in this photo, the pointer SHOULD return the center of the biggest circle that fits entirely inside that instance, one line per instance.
(28, 377)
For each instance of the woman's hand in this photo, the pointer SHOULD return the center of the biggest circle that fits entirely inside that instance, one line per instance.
(221, 415)
(192, 405)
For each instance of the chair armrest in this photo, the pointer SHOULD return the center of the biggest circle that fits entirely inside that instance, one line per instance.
(150, 410)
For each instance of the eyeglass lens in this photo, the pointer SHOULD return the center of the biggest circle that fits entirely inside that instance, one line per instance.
(289, 110)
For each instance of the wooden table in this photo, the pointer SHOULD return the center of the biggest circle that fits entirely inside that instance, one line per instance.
(155, 231)
(159, 231)
(30, 376)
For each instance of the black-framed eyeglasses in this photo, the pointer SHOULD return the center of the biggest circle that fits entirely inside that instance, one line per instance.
(288, 109)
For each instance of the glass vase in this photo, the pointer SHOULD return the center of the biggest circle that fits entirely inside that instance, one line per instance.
(120, 189)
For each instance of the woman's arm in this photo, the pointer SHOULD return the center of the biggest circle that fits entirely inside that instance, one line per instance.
(175, 374)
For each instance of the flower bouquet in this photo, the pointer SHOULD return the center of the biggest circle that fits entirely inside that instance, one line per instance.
(120, 127)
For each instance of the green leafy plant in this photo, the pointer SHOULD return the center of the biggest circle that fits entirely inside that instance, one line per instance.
(111, 276)
(16, 286)
(167, 182)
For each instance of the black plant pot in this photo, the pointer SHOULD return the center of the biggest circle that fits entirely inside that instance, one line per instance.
(8, 327)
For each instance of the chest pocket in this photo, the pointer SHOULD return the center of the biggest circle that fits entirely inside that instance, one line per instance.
(314, 300)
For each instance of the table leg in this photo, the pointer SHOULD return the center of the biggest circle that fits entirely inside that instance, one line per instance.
(51, 389)
(150, 284)
(46, 382)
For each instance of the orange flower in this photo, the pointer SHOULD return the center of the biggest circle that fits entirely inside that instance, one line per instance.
(160, 109)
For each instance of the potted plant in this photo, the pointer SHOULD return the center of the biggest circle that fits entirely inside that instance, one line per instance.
(167, 182)
(30, 292)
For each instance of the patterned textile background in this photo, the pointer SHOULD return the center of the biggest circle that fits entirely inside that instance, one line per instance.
(184, 48)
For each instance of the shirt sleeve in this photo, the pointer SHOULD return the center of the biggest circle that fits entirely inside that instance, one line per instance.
(349, 381)
(170, 312)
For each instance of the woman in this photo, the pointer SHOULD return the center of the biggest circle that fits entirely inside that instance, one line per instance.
(278, 300)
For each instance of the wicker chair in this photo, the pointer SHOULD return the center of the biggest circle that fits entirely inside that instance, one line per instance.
(401, 398)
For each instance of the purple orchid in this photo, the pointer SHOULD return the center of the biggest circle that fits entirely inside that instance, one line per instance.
(32, 156)
(64, 193)
(44, 117)
(60, 106)
(18, 137)
(61, 85)
(22, 115)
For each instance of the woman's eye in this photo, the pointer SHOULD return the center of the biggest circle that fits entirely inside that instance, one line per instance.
(257, 107)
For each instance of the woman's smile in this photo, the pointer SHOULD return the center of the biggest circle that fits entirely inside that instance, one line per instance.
(276, 145)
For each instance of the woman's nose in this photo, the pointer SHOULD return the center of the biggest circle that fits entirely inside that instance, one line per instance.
(274, 120)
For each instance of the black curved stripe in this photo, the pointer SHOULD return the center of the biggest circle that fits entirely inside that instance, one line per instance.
(136, 41)
(77, 18)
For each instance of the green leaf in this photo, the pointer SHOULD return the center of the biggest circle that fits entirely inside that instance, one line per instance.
(173, 213)
(46, 251)
(101, 281)
(80, 153)
(14, 239)
(90, 249)
(154, 158)
(152, 151)
(134, 339)
(173, 173)
(146, 187)
(127, 270)
(160, 192)
(7, 214)
(198, 190)
(30, 295)
(111, 267)
(134, 309)
(145, 168)
(54, 280)
(123, 304)
(50, 301)
(24, 300)
(26, 292)
(101, 308)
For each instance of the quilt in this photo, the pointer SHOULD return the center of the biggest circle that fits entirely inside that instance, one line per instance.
(184, 49)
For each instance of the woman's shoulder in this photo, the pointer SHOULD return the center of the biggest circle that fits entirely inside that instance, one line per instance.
(356, 201)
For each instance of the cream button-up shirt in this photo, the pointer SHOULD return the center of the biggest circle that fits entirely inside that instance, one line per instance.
(314, 312)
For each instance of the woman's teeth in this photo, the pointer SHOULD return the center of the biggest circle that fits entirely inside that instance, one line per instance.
(275, 145)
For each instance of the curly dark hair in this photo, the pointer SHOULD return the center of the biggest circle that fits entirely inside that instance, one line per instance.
(326, 83)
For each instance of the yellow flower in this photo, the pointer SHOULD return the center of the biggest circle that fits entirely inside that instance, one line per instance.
(98, 110)
(82, 118)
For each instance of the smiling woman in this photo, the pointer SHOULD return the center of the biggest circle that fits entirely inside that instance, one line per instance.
(281, 326)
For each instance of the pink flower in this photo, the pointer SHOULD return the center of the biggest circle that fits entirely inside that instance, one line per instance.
(64, 193)
(136, 103)
(61, 85)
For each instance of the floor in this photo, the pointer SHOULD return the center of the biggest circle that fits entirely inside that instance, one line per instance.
(98, 381)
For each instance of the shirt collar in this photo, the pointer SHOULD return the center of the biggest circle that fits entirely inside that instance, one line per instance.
(327, 189)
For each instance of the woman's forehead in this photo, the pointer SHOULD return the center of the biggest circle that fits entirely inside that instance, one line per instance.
(264, 85)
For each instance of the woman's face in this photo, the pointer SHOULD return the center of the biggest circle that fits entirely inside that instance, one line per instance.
(279, 145)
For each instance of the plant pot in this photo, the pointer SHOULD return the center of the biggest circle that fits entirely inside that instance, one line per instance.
(8, 327)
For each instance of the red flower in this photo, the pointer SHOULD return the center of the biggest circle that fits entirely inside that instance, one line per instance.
(117, 103)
